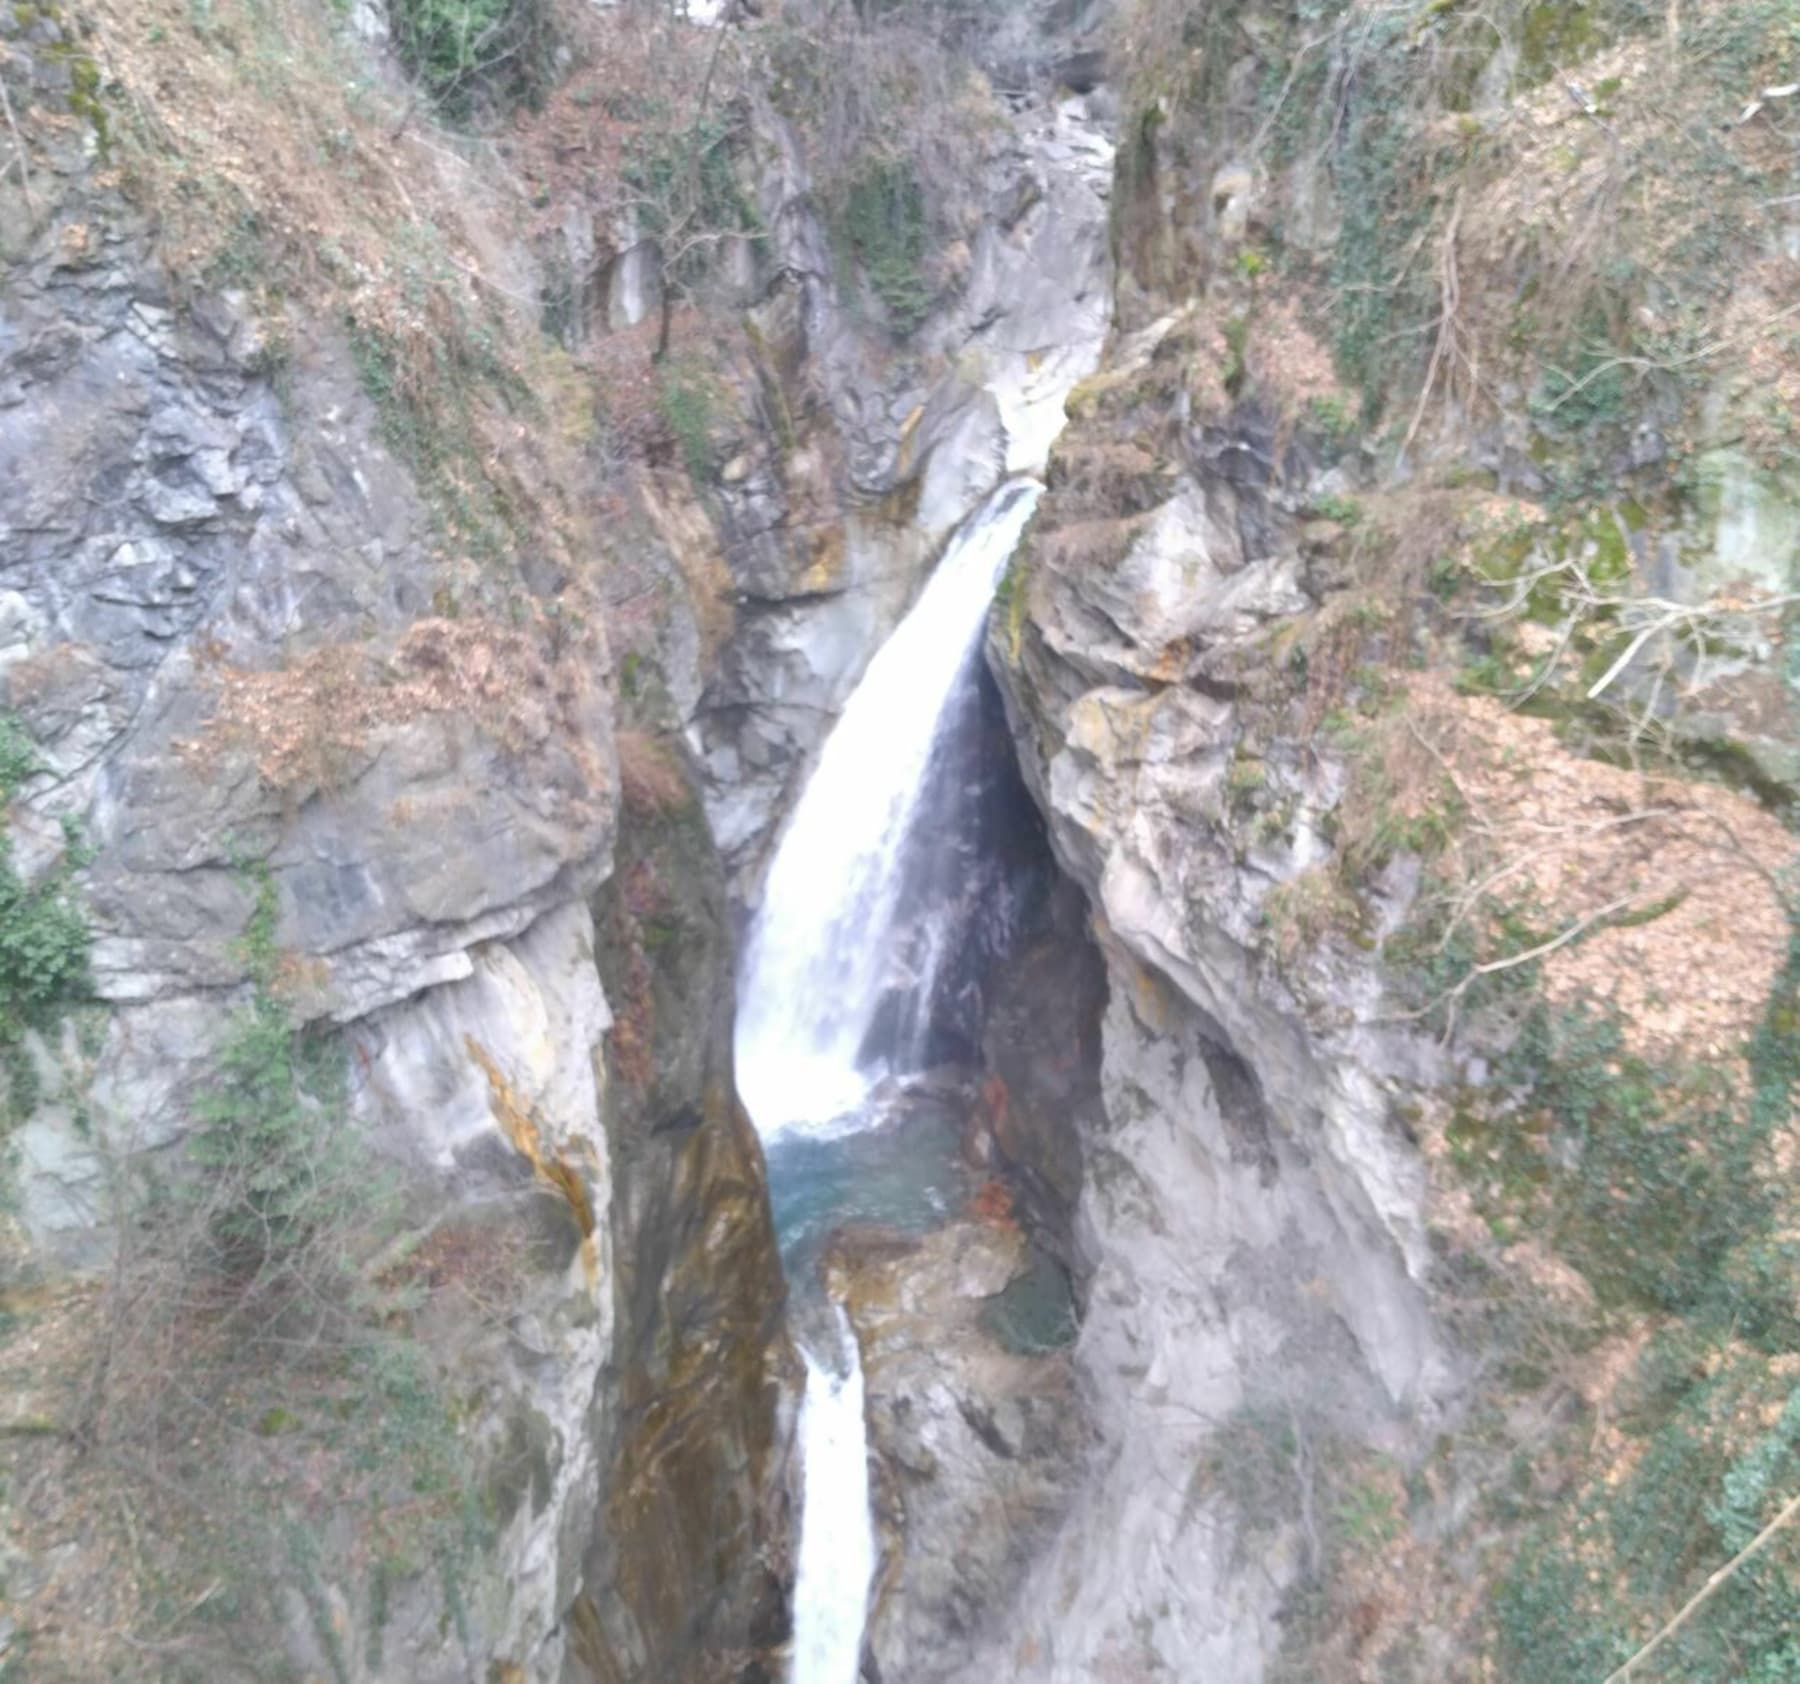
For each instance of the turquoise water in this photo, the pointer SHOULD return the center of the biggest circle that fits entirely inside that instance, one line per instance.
(904, 1172)
(901, 1170)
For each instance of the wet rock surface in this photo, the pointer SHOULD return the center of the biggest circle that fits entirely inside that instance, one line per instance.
(978, 1447)
(688, 1571)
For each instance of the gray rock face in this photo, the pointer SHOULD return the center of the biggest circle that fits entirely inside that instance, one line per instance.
(480, 1081)
(1251, 1214)
(217, 627)
(179, 544)
(977, 1447)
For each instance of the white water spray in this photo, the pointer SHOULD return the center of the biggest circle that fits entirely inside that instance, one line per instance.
(837, 1541)
(821, 948)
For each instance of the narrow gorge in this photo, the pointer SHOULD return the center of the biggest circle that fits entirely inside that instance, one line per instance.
(899, 843)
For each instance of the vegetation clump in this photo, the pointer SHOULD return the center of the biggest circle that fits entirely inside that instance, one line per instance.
(468, 53)
(896, 124)
(1659, 1181)
(258, 1328)
(1650, 1175)
(43, 936)
(883, 225)
(685, 399)
(434, 383)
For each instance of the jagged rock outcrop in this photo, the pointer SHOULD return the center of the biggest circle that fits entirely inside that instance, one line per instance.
(491, 1088)
(687, 1574)
(1251, 1213)
(1041, 1049)
(977, 1442)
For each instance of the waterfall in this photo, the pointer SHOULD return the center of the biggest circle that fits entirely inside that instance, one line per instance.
(822, 948)
(818, 961)
(837, 1541)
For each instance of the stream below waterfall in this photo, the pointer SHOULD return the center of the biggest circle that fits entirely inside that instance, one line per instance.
(843, 972)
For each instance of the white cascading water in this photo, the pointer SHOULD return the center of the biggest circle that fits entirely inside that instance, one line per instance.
(837, 1539)
(816, 967)
(821, 947)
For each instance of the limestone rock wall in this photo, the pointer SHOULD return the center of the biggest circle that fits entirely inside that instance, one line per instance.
(1251, 1212)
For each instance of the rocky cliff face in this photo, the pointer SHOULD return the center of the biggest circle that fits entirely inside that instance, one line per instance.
(311, 755)
(1252, 1219)
(687, 1573)
(1248, 720)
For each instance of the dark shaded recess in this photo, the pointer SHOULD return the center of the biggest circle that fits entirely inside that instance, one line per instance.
(1259, 458)
(1082, 72)
(1035, 1313)
(1242, 1105)
(1041, 1094)
(1019, 986)
(977, 877)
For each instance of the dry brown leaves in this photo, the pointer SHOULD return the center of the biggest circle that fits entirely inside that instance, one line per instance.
(651, 781)
(632, 61)
(243, 113)
(313, 723)
(1761, 324)
(71, 1586)
(1288, 358)
(1567, 836)
(1615, 161)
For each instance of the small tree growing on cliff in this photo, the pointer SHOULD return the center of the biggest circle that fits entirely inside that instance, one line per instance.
(679, 185)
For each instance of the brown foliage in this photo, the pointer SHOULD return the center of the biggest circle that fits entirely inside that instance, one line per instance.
(651, 780)
(310, 724)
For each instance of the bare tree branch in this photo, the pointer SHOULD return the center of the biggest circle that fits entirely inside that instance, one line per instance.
(1700, 1597)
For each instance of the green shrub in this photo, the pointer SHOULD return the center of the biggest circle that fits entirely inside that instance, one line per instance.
(280, 1191)
(43, 939)
(268, 1144)
(466, 52)
(258, 1346)
(883, 228)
